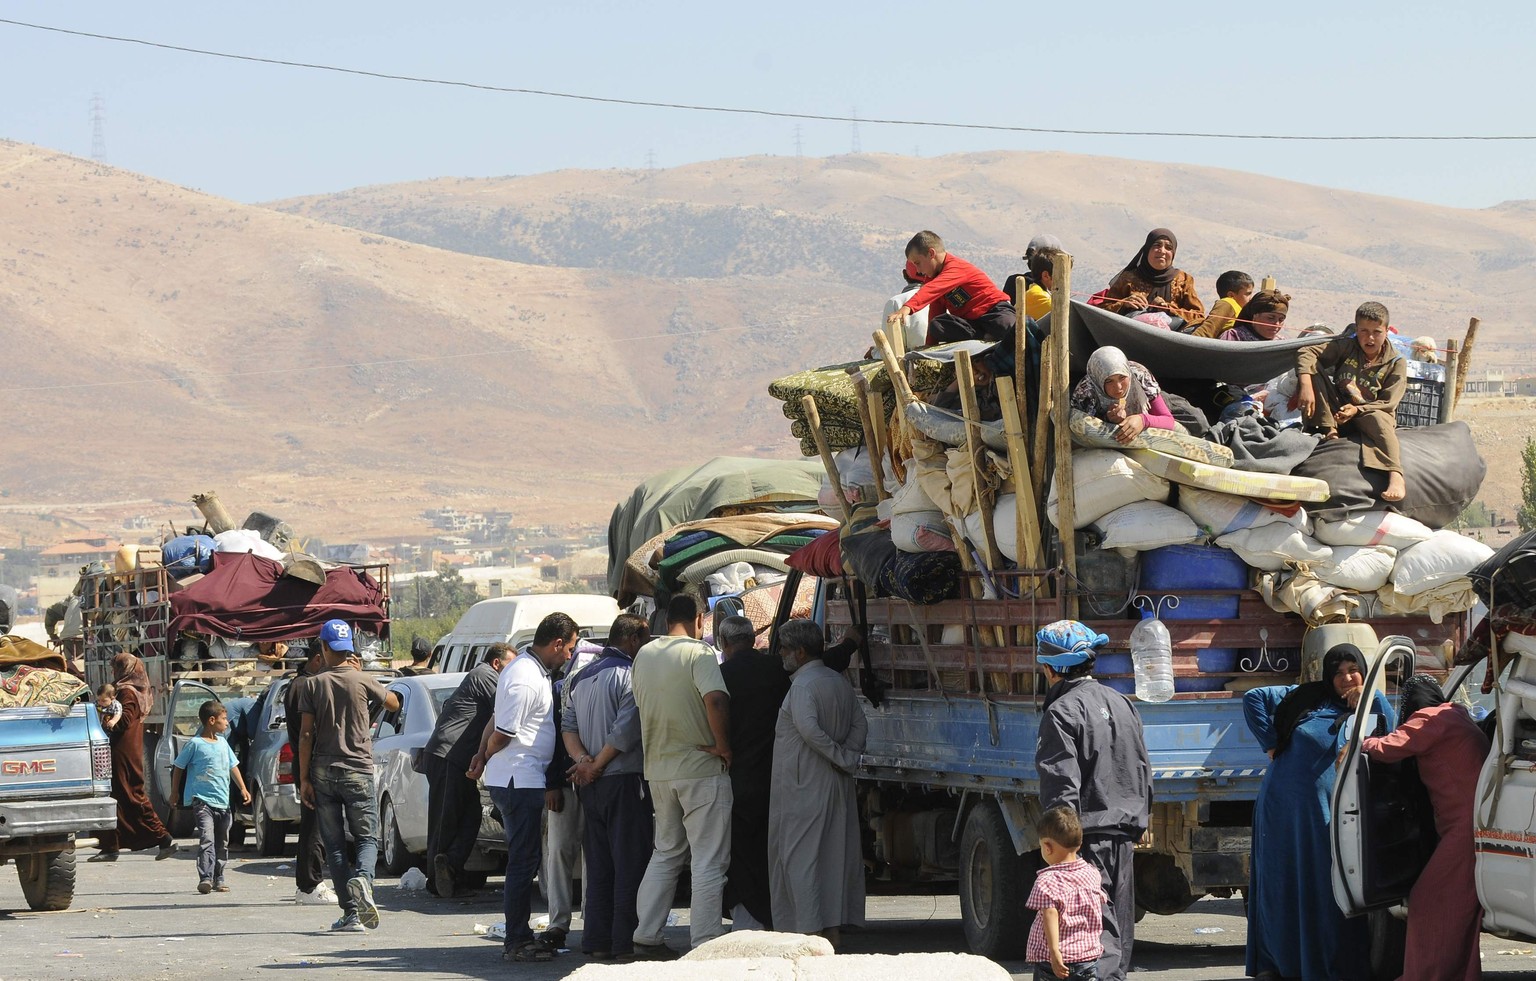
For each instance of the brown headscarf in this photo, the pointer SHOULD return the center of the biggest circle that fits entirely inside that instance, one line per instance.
(1160, 280)
(1265, 301)
(129, 676)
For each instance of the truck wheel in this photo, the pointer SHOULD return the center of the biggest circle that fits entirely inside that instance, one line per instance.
(1389, 941)
(394, 858)
(48, 881)
(270, 835)
(994, 884)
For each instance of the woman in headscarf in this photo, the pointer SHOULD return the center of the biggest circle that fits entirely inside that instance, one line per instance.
(138, 826)
(1445, 918)
(1261, 317)
(1295, 929)
(1122, 393)
(1150, 284)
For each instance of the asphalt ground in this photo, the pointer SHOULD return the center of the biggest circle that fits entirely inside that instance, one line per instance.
(141, 919)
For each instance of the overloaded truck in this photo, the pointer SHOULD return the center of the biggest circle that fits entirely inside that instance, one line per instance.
(946, 667)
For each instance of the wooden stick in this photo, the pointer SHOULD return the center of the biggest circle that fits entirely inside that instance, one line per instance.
(1465, 367)
(1066, 501)
(1020, 353)
(813, 423)
(1447, 395)
(899, 338)
(981, 497)
(893, 368)
(1040, 444)
(871, 444)
(1026, 522)
(876, 408)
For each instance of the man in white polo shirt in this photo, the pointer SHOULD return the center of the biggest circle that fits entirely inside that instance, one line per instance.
(514, 756)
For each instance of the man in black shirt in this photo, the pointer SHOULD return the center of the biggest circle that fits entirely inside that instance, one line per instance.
(757, 685)
(453, 799)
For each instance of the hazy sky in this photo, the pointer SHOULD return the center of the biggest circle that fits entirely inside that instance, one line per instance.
(257, 132)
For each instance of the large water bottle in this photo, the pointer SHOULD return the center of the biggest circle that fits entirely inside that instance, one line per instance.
(1152, 656)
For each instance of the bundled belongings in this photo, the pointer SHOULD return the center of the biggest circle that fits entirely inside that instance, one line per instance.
(1441, 466)
(693, 550)
(1093, 432)
(837, 399)
(735, 485)
(31, 674)
(918, 577)
(248, 597)
(188, 554)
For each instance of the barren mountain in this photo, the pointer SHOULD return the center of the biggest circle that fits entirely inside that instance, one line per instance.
(540, 343)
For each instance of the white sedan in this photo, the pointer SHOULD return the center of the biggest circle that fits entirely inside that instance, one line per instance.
(398, 738)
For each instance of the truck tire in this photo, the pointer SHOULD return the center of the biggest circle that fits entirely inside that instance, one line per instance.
(48, 881)
(270, 836)
(394, 857)
(995, 882)
(1389, 941)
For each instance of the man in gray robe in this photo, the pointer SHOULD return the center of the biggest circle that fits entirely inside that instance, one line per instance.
(815, 864)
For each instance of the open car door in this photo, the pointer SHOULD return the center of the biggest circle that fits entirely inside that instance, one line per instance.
(1504, 821)
(1377, 833)
(181, 724)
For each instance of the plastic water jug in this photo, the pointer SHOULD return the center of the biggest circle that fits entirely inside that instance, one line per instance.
(1152, 657)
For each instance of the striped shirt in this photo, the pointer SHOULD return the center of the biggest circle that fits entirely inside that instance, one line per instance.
(1076, 890)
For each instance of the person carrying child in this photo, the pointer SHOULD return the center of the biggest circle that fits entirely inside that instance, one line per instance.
(203, 771)
(1123, 393)
(107, 706)
(1358, 381)
(1068, 898)
(1235, 289)
(962, 301)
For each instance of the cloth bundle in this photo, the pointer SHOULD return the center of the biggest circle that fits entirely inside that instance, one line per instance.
(684, 554)
(837, 399)
(28, 685)
(918, 577)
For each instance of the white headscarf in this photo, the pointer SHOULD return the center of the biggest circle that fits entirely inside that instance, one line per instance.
(1107, 362)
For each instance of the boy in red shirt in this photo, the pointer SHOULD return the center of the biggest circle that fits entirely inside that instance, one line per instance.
(1068, 897)
(962, 302)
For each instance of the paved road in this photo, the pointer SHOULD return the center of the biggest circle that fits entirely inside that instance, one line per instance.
(139, 919)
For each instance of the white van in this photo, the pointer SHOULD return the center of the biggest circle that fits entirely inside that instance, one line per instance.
(513, 620)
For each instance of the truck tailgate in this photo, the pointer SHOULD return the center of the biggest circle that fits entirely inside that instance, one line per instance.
(46, 755)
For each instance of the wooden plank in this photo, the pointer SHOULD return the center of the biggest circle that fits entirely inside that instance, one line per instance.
(871, 443)
(1040, 443)
(981, 499)
(876, 408)
(1026, 522)
(813, 422)
(1465, 366)
(1066, 504)
(1447, 397)
(1020, 353)
(892, 361)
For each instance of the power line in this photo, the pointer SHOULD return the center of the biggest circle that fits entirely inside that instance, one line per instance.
(772, 113)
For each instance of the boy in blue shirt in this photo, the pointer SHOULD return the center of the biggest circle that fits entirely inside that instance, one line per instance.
(204, 768)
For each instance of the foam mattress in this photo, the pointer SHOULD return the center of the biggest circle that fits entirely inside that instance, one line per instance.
(1244, 483)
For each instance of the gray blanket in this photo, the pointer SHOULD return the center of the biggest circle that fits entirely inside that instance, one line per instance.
(1258, 444)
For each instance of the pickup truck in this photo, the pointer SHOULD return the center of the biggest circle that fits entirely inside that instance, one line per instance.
(55, 784)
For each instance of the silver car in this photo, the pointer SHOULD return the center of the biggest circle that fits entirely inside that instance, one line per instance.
(398, 739)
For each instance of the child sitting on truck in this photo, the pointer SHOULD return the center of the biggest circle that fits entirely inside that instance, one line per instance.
(107, 705)
(1358, 381)
(1235, 288)
(1123, 393)
(1069, 897)
(203, 771)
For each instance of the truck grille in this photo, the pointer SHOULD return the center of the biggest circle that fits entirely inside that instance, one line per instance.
(101, 761)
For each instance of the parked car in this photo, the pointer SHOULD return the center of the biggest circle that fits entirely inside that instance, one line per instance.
(398, 739)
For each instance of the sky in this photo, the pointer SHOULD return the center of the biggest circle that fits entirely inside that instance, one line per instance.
(256, 132)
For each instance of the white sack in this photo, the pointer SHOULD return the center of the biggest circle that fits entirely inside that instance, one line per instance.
(1373, 528)
(1104, 480)
(1004, 527)
(857, 476)
(1221, 514)
(1444, 556)
(1270, 547)
(1146, 524)
(246, 540)
(1364, 568)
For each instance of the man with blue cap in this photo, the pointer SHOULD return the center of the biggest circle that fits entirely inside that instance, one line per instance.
(1092, 758)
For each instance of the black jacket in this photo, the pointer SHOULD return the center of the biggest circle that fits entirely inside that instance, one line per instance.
(1092, 758)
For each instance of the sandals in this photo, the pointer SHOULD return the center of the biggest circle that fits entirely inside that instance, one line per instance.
(529, 952)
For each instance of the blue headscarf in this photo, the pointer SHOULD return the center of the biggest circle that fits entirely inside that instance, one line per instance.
(1066, 644)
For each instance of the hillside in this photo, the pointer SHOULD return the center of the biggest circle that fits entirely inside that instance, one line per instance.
(541, 343)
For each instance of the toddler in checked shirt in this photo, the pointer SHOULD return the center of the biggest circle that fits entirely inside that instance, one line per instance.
(1068, 899)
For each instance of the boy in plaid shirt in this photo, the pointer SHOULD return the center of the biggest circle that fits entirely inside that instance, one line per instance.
(1067, 897)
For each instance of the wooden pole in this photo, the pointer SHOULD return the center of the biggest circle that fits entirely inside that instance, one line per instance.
(813, 422)
(1026, 522)
(1020, 353)
(1465, 367)
(1066, 502)
(1448, 396)
(1040, 445)
(899, 339)
(981, 498)
(871, 443)
(876, 406)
